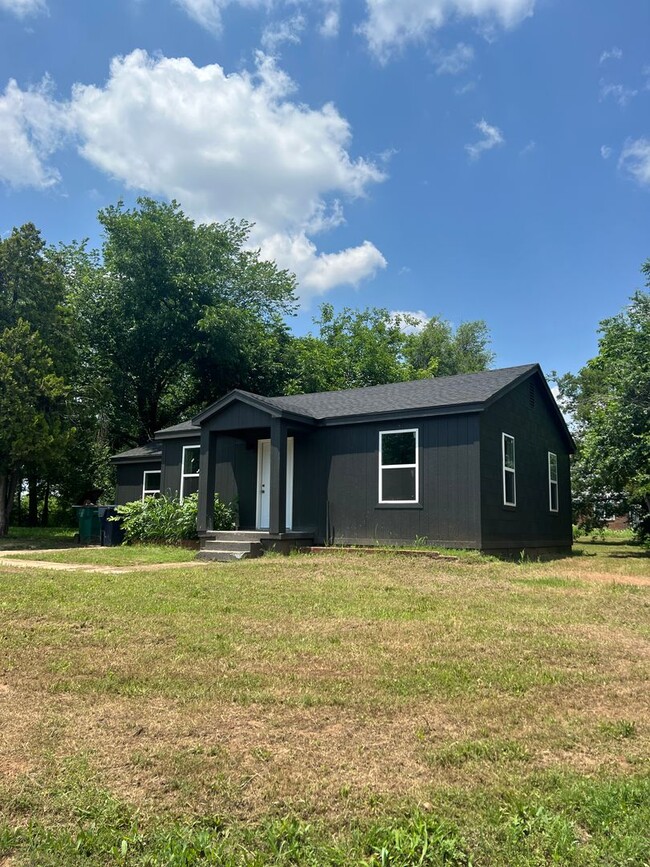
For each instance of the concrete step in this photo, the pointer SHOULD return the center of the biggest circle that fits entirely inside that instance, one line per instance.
(236, 546)
(235, 535)
(226, 556)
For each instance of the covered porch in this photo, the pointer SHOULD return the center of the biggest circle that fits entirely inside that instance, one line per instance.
(249, 456)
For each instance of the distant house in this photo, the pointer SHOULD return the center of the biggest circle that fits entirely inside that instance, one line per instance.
(476, 461)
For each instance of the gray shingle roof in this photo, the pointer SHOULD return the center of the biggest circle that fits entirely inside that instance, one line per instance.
(431, 393)
(185, 427)
(149, 451)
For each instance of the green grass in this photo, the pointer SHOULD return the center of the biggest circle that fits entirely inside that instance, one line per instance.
(37, 537)
(124, 555)
(328, 710)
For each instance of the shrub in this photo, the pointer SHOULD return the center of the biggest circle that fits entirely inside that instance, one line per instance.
(167, 520)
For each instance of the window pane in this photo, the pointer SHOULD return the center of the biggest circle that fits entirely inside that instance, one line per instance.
(554, 497)
(509, 481)
(552, 466)
(509, 452)
(398, 485)
(191, 460)
(398, 448)
(190, 486)
(151, 481)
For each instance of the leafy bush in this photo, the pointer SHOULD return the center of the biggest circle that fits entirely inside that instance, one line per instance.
(166, 519)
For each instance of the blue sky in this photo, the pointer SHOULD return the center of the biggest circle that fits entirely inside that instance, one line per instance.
(469, 158)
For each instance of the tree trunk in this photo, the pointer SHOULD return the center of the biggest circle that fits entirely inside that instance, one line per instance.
(8, 484)
(32, 515)
(45, 517)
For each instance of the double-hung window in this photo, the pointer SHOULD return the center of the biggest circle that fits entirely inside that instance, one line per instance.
(509, 479)
(398, 466)
(190, 471)
(553, 502)
(150, 483)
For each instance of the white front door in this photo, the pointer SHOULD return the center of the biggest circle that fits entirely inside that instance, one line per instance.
(264, 483)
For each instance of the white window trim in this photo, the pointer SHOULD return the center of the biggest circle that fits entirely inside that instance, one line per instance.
(505, 469)
(149, 492)
(415, 466)
(552, 482)
(187, 475)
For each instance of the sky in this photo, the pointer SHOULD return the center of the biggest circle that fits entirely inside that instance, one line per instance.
(472, 159)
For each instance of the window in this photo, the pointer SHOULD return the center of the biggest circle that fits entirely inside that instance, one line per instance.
(398, 466)
(509, 482)
(190, 471)
(553, 502)
(151, 483)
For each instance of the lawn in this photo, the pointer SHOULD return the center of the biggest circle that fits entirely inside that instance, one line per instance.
(123, 555)
(38, 537)
(329, 710)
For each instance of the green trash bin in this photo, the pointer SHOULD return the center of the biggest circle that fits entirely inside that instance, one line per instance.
(90, 528)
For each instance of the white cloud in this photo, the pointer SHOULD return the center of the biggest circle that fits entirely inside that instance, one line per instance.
(620, 94)
(455, 60)
(390, 24)
(635, 160)
(289, 30)
(331, 20)
(317, 273)
(611, 54)
(492, 137)
(224, 145)
(207, 13)
(605, 152)
(410, 321)
(33, 126)
(23, 8)
(530, 148)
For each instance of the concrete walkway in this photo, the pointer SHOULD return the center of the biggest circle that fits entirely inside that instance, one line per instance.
(9, 559)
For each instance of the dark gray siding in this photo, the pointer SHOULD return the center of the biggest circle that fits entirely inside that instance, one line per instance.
(526, 414)
(129, 480)
(238, 416)
(346, 496)
(236, 476)
(171, 463)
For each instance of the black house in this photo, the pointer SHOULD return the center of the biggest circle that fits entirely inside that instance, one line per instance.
(478, 461)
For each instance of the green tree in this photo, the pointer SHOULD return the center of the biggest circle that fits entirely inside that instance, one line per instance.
(353, 349)
(157, 307)
(32, 289)
(609, 401)
(438, 350)
(32, 409)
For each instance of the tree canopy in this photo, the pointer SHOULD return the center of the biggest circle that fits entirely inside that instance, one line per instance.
(609, 402)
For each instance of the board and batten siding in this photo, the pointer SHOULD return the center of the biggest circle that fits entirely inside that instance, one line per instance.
(129, 480)
(448, 511)
(172, 457)
(526, 414)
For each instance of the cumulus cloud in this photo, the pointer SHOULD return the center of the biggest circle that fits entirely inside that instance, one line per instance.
(635, 160)
(223, 145)
(492, 137)
(454, 60)
(389, 25)
(620, 94)
(317, 273)
(611, 54)
(33, 126)
(23, 8)
(605, 152)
